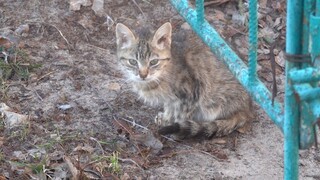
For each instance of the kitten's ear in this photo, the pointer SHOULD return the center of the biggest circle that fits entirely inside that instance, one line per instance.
(124, 35)
(162, 37)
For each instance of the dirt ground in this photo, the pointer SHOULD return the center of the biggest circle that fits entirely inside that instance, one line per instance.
(78, 103)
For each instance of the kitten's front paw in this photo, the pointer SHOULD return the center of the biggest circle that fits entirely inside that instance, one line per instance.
(159, 119)
(162, 120)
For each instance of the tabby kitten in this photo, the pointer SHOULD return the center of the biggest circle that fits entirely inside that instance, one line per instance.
(199, 95)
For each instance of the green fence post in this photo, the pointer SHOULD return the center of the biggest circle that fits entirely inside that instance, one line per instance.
(253, 42)
(291, 120)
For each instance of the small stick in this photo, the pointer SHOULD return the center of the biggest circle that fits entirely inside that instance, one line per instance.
(134, 1)
(60, 33)
(102, 49)
(135, 124)
(38, 95)
(44, 76)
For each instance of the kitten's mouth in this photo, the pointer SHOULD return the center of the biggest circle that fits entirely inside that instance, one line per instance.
(146, 80)
(143, 81)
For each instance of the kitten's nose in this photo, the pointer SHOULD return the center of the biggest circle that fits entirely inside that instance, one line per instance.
(143, 73)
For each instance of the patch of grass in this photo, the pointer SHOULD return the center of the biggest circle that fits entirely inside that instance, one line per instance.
(2, 159)
(114, 163)
(1, 124)
(3, 88)
(36, 168)
(15, 62)
(58, 139)
(241, 7)
(21, 133)
(49, 144)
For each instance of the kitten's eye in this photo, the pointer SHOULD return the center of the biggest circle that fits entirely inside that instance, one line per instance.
(133, 62)
(154, 62)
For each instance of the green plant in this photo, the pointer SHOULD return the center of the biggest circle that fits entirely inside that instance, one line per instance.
(15, 62)
(36, 168)
(21, 132)
(114, 163)
(1, 156)
(1, 124)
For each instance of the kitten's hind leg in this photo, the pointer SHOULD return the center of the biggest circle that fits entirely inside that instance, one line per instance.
(237, 121)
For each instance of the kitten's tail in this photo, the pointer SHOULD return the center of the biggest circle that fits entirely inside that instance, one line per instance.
(208, 129)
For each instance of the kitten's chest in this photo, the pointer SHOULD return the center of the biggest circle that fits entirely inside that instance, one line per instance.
(155, 96)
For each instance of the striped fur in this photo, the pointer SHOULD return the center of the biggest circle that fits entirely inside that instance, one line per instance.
(200, 97)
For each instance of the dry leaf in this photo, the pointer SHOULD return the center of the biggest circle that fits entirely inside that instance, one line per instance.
(280, 59)
(239, 19)
(277, 22)
(11, 118)
(86, 148)
(185, 26)
(22, 29)
(263, 3)
(125, 176)
(74, 171)
(1, 141)
(5, 42)
(215, 2)
(219, 141)
(86, 23)
(97, 7)
(114, 86)
(219, 15)
(2, 177)
(76, 4)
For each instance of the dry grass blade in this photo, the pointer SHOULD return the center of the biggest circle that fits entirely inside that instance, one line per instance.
(54, 26)
(122, 125)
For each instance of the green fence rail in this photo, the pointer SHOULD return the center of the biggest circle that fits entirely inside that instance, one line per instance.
(298, 117)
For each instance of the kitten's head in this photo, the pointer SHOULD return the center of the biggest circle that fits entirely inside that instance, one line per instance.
(143, 59)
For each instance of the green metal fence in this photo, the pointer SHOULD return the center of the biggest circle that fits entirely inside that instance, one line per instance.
(301, 111)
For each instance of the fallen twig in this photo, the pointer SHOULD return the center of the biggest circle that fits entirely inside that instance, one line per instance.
(59, 33)
(40, 78)
(102, 49)
(134, 1)
(135, 124)
(41, 99)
